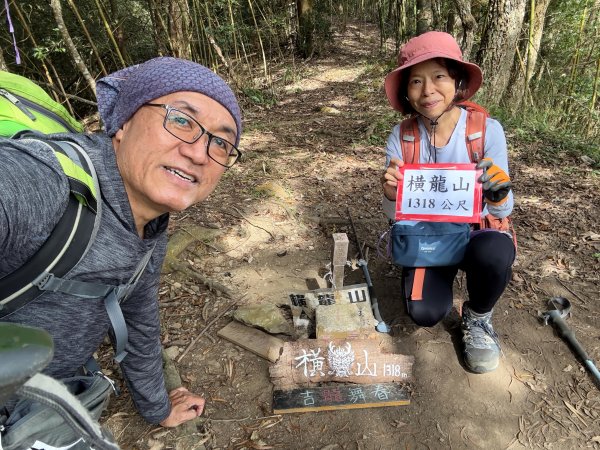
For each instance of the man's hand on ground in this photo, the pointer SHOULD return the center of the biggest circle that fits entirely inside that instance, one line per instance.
(184, 406)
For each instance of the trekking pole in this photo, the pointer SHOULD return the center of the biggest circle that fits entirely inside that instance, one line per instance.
(362, 263)
(560, 308)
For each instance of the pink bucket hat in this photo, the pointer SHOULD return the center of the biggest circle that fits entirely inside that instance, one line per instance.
(433, 44)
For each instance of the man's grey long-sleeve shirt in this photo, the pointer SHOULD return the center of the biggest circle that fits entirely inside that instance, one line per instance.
(33, 195)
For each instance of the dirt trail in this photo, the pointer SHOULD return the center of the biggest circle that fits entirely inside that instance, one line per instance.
(304, 162)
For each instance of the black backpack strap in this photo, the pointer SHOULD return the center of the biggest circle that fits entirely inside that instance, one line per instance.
(113, 296)
(70, 238)
(113, 308)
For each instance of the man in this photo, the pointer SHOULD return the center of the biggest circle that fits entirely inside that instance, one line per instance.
(172, 129)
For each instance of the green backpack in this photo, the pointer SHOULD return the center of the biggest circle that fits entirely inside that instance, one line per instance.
(26, 106)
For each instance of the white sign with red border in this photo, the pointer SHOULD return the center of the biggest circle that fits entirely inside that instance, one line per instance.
(439, 193)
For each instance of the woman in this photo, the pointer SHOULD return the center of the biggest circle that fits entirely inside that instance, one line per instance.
(429, 82)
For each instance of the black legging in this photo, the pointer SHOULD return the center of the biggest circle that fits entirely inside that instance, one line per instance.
(488, 264)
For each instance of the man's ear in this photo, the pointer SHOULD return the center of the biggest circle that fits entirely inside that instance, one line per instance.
(118, 137)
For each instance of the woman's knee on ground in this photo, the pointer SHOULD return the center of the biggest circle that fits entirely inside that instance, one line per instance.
(424, 314)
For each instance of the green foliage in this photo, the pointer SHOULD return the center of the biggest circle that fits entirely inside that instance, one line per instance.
(535, 127)
(379, 130)
(563, 84)
(260, 97)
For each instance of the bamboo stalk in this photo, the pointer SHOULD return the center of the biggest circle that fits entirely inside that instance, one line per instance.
(209, 49)
(57, 10)
(203, 47)
(270, 27)
(165, 31)
(110, 34)
(233, 30)
(572, 77)
(247, 60)
(223, 59)
(594, 93)
(179, 38)
(195, 34)
(526, 89)
(158, 26)
(88, 36)
(262, 48)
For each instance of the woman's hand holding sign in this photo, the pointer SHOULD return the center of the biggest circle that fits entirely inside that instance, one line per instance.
(391, 177)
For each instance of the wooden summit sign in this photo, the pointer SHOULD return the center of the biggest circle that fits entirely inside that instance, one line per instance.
(309, 361)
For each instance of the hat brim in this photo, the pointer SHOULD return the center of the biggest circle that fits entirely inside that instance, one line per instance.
(394, 79)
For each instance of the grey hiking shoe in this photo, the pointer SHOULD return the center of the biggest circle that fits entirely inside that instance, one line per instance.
(481, 347)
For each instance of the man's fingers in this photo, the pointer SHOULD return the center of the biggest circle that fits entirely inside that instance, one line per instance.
(178, 393)
(184, 406)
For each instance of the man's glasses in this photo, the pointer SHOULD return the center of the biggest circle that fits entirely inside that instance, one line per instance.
(187, 129)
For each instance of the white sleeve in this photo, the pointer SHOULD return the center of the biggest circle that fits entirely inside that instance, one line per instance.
(393, 150)
(389, 208)
(496, 149)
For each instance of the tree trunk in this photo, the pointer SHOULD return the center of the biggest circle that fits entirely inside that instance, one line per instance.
(400, 24)
(411, 19)
(424, 16)
(159, 29)
(498, 44)
(305, 27)
(179, 26)
(343, 10)
(438, 19)
(57, 10)
(467, 37)
(523, 71)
